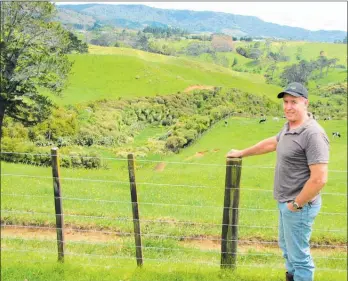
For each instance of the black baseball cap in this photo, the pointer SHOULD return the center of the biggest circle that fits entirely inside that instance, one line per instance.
(295, 89)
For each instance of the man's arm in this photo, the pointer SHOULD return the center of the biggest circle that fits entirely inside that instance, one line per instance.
(315, 183)
(265, 146)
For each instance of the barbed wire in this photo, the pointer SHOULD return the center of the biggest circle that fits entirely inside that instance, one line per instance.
(151, 259)
(181, 238)
(159, 221)
(156, 184)
(165, 204)
(151, 161)
(160, 248)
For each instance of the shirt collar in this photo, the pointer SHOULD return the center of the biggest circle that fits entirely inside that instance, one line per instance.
(300, 129)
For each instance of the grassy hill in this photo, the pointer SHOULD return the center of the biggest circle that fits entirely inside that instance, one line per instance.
(111, 73)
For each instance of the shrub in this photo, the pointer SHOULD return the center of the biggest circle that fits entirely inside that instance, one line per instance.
(175, 143)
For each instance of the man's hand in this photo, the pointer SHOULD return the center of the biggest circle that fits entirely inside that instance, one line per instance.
(291, 207)
(234, 153)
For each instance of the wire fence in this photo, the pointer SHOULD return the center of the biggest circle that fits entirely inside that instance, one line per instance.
(153, 161)
(168, 222)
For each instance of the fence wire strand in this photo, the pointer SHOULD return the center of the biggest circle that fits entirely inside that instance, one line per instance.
(152, 161)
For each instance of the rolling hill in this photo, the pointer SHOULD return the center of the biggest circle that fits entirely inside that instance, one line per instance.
(140, 16)
(111, 73)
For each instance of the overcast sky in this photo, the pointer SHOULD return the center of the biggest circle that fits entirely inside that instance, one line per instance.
(308, 15)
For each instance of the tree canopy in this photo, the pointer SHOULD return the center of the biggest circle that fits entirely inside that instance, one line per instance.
(33, 55)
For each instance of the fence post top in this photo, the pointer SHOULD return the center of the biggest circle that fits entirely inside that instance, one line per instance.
(238, 159)
(130, 156)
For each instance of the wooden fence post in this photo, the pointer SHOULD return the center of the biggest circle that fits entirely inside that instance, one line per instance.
(136, 221)
(58, 203)
(229, 236)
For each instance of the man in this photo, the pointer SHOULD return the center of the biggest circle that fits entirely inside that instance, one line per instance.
(301, 172)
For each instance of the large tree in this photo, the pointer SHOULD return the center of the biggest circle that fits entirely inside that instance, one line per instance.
(33, 56)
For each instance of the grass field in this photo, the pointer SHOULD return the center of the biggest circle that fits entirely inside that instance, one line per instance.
(113, 73)
(180, 202)
(180, 195)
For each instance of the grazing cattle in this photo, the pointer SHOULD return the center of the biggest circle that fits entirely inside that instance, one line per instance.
(336, 134)
(262, 120)
(276, 119)
(327, 118)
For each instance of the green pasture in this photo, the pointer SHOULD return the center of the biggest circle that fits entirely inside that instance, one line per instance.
(180, 202)
(310, 50)
(190, 187)
(35, 266)
(180, 195)
(111, 73)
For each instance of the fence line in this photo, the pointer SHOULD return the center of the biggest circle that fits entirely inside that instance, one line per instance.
(161, 221)
(152, 259)
(161, 248)
(232, 252)
(162, 235)
(157, 184)
(174, 205)
(151, 161)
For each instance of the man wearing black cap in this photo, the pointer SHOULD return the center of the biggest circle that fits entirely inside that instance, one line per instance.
(301, 172)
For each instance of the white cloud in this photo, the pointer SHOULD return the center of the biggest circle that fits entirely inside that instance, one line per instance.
(308, 15)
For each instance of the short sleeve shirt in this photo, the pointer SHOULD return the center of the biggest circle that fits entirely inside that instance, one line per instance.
(297, 149)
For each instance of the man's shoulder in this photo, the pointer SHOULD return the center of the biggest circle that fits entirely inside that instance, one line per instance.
(314, 131)
(314, 128)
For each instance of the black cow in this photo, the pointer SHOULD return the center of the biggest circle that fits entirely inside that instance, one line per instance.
(262, 120)
(336, 134)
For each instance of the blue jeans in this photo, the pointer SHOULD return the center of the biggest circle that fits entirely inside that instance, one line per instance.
(295, 229)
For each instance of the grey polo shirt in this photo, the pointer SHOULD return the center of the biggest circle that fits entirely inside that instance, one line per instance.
(297, 149)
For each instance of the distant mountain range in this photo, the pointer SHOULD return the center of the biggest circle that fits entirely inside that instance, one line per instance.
(140, 16)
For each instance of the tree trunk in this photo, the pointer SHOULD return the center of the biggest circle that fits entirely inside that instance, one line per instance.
(2, 114)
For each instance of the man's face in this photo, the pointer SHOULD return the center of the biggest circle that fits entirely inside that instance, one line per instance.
(295, 108)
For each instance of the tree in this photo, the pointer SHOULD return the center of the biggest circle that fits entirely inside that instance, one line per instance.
(242, 51)
(330, 62)
(269, 75)
(76, 44)
(235, 62)
(322, 62)
(299, 53)
(33, 55)
(255, 53)
(143, 42)
(297, 72)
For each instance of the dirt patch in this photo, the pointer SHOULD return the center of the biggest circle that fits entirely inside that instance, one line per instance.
(160, 167)
(199, 154)
(198, 87)
(248, 246)
(216, 150)
(52, 234)
(203, 244)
